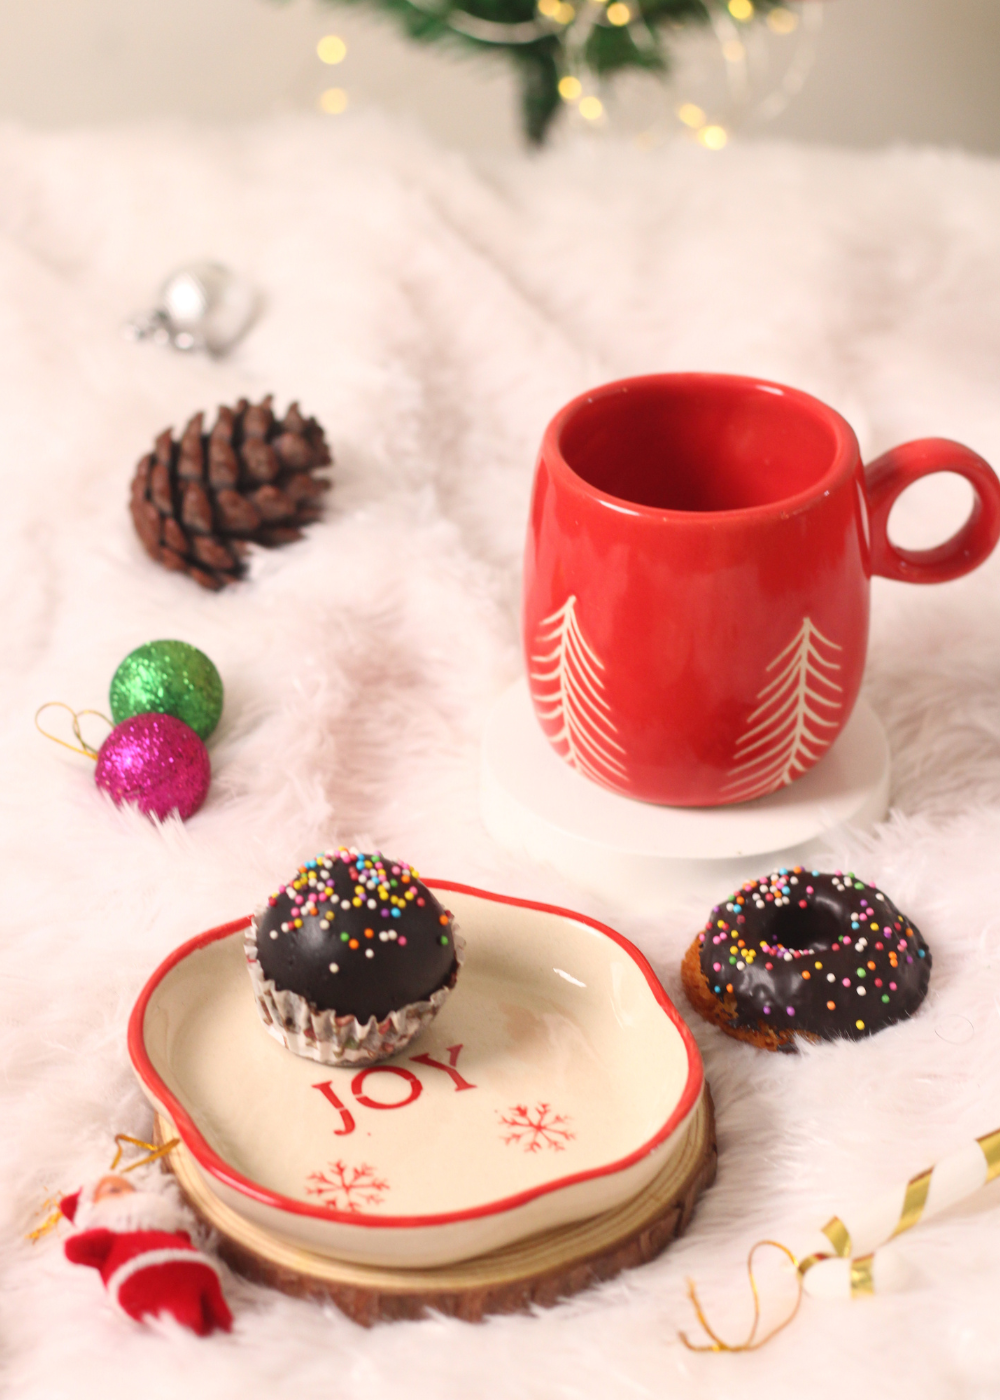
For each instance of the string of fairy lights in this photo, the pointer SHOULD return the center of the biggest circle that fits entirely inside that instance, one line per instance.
(578, 88)
(331, 50)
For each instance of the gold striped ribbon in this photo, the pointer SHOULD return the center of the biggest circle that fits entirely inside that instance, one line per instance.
(862, 1268)
(914, 1200)
(839, 1236)
(861, 1276)
(990, 1145)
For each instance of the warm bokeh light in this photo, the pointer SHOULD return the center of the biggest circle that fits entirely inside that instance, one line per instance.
(331, 49)
(333, 101)
(733, 51)
(714, 137)
(548, 8)
(618, 13)
(570, 88)
(691, 114)
(782, 21)
(741, 9)
(565, 14)
(591, 108)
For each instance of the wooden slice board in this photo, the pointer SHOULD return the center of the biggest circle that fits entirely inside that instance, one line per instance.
(540, 1270)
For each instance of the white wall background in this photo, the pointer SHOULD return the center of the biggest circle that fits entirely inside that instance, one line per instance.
(887, 70)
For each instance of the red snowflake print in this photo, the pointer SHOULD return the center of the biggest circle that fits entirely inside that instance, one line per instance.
(347, 1188)
(536, 1128)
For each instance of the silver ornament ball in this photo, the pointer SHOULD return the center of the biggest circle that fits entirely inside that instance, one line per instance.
(201, 306)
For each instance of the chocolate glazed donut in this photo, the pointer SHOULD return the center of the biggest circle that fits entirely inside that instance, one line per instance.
(804, 953)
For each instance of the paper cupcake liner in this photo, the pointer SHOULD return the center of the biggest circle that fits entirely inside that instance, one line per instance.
(340, 1040)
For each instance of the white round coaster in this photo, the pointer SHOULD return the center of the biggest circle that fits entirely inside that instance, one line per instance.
(638, 855)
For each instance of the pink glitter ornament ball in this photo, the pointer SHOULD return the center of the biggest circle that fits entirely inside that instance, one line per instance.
(158, 763)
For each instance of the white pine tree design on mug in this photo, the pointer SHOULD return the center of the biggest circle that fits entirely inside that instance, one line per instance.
(568, 688)
(784, 735)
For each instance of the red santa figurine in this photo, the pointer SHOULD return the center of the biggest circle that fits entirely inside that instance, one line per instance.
(139, 1242)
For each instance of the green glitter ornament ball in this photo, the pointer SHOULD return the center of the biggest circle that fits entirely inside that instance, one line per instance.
(168, 678)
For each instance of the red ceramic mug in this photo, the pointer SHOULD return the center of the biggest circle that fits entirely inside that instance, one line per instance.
(697, 574)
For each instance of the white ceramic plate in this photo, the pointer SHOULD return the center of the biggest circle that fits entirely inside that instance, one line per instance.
(554, 1085)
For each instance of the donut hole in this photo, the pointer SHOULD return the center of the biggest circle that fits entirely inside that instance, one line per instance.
(795, 928)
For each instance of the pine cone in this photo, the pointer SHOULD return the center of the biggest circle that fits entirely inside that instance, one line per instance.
(198, 503)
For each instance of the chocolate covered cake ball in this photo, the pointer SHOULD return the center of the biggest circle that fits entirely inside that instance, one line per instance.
(351, 958)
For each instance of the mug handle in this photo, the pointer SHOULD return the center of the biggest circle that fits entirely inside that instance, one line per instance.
(888, 477)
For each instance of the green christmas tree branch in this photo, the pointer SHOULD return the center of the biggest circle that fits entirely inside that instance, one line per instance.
(544, 50)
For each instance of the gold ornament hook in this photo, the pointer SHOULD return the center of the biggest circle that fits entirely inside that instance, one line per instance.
(717, 1344)
(49, 1223)
(153, 1152)
(81, 746)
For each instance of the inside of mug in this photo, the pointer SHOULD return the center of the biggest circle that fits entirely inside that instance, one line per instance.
(699, 443)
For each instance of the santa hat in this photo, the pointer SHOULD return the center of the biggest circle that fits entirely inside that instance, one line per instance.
(78, 1203)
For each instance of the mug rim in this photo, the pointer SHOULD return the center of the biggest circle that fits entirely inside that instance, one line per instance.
(846, 456)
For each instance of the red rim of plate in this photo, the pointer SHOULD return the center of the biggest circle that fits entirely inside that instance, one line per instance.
(210, 1161)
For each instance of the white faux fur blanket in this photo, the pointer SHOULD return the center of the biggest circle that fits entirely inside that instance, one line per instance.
(433, 316)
